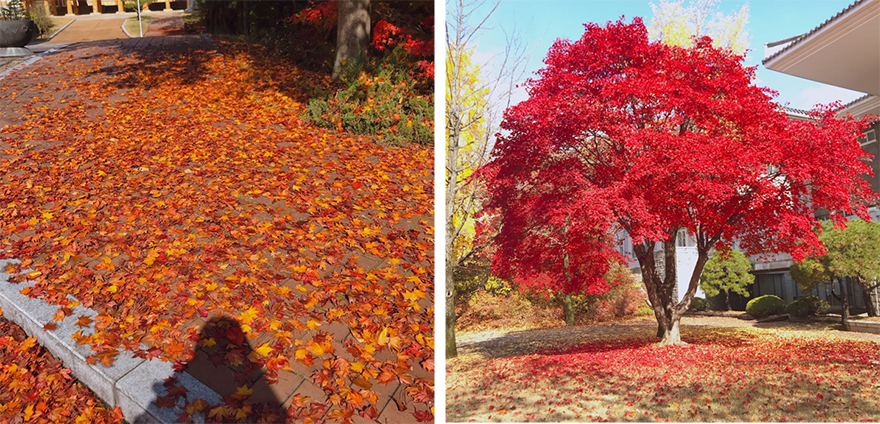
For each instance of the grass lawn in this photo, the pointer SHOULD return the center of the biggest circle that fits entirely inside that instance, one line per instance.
(132, 26)
(58, 22)
(732, 370)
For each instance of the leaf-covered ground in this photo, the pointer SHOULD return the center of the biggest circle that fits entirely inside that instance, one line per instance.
(167, 185)
(35, 387)
(730, 371)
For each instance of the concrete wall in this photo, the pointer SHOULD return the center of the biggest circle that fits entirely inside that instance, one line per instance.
(685, 261)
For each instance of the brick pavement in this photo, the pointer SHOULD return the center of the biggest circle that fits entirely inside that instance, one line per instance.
(38, 87)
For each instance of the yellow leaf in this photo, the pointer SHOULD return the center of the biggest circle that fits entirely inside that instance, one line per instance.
(383, 337)
(414, 295)
(248, 316)
(28, 412)
(243, 391)
(414, 279)
(317, 348)
(301, 354)
(211, 286)
(313, 324)
(149, 260)
(357, 366)
(264, 350)
(83, 419)
(209, 342)
(113, 289)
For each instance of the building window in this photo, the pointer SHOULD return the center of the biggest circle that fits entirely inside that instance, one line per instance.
(868, 137)
(769, 284)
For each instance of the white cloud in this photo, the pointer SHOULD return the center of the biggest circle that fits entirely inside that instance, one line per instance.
(825, 94)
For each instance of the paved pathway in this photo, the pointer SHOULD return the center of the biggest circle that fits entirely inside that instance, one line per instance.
(48, 85)
(85, 29)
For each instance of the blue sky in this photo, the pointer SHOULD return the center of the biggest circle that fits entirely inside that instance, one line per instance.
(542, 22)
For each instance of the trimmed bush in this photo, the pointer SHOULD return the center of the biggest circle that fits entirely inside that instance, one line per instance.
(809, 306)
(698, 304)
(766, 305)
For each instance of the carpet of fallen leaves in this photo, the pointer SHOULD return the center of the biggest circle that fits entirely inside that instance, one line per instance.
(615, 372)
(164, 187)
(35, 387)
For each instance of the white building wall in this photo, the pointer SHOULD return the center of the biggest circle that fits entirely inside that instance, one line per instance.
(685, 262)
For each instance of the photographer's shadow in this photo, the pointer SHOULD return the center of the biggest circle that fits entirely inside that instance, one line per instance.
(226, 364)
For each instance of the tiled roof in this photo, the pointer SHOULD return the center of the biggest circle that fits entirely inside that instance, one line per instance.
(846, 106)
(791, 110)
(806, 35)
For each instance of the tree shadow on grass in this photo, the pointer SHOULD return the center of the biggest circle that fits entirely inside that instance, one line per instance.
(604, 337)
(725, 375)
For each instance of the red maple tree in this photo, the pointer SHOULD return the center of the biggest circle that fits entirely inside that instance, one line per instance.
(620, 133)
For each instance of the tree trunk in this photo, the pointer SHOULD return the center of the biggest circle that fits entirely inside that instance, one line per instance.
(454, 128)
(451, 182)
(352, 33)
(569, 310)
(726, 300)
(451, 348)
(844, 299)
(872, 298)
(660, 291)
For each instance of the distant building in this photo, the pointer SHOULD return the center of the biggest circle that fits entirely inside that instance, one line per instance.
(843, 51)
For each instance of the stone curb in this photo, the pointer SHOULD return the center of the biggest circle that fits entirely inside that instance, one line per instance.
(864, 326)
(126, 31)
(133, 384)
(29, 61)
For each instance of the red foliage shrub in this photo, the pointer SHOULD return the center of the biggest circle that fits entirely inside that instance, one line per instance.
(321, 15)
(623, 301)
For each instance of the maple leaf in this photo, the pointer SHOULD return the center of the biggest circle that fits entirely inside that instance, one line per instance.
(264, 350)
(235, 336)
(242, 392)
(84, 321)
(247, 317)
(166, 401)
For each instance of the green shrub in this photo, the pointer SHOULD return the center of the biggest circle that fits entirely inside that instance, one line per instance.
(698, 304)
(766, 305)
(381, 99)
(41, 19)
(809, 306)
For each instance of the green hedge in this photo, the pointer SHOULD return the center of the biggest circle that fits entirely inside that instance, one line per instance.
(698, 304)
(767, 305)
(809, 306)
